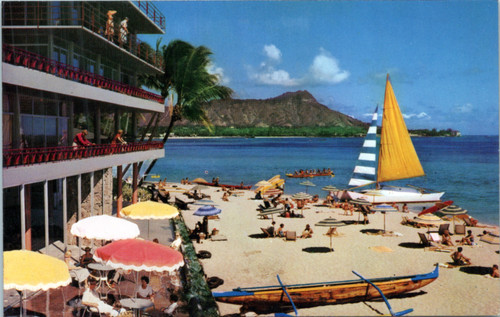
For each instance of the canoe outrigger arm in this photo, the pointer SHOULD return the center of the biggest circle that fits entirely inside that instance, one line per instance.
(401, 313)
(287, 295)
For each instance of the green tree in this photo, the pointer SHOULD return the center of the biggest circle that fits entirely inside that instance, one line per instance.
(186, 75)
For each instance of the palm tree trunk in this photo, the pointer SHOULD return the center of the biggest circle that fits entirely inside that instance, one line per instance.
(167, 133)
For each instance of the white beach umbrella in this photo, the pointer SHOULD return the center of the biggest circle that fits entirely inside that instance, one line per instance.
(105, 227)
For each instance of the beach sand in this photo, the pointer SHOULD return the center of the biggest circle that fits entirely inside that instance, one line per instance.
(246, 259)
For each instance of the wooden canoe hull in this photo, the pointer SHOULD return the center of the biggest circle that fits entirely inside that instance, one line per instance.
(325, 294)
(309, 175)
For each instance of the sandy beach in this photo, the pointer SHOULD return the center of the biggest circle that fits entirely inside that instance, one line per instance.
(247, 259)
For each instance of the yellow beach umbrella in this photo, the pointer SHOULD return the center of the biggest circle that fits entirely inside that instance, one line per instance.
(33, 271)
(150, 210)
(146, 210)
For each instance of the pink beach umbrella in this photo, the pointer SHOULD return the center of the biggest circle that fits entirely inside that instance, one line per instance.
(139, 255)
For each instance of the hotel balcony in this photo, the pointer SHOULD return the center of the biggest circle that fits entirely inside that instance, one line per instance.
(26, 69)
(31, 165)
(86, 21)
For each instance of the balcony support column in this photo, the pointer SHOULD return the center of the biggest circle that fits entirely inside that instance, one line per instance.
(135, 175)
(119, 198)
(65, 209)
(46, 213)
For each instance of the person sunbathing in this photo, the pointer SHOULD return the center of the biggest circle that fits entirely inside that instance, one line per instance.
(446, 238)
(307, 233)
(458, 258)
(468, 239)
(281, 231)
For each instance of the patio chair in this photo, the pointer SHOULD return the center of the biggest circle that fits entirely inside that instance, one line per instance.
(443, 227)
(435, 237)
(459, 229)
(468, 222)
(424, 240)
(291, 235)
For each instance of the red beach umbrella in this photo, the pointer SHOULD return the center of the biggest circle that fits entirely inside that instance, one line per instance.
(139, 255)
(436, 207)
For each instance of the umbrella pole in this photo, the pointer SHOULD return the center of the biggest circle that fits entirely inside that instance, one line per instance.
(384, 222)
(331, 246)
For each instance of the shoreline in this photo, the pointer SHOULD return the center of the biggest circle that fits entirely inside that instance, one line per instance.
(255, 260)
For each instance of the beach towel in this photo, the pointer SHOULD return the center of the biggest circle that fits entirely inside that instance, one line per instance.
(381, 249)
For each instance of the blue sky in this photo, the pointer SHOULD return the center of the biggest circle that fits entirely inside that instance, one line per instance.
(442, 56)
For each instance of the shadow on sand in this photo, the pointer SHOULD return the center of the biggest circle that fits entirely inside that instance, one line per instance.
(411, 245)
(478, 270)
(317, 250)
(15, 311)
(258, 236)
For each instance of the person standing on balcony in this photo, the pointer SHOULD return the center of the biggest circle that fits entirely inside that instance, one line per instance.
(118, 139)
(123, 31)
(110, 25)
(80, 140)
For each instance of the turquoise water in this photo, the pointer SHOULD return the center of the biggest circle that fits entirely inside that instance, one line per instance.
(466, 168)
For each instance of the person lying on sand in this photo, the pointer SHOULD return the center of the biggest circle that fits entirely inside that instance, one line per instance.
(494, 271)
(458, 258)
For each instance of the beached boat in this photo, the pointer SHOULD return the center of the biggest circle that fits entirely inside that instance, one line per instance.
(304, 175)
(397, 160)
(266, 298)
(223, 185)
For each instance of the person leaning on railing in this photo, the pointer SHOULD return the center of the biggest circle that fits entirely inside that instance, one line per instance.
(80, 140)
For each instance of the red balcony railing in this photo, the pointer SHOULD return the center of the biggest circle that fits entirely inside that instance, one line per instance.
(30, 156)
(86, 14)
(16, 56)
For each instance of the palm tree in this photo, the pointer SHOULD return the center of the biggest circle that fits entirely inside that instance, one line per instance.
(186, 75)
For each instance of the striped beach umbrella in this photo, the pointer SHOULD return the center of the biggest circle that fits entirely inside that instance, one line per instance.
(383, 209)
(207, 211)
(332, 223)
(451, 210)
(307, 184)
(330, 188)
(428, 220)
(301, 196)
(270, 211)
(262, 183)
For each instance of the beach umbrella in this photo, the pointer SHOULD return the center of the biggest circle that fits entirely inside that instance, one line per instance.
(32, 271)
(199, 187)
(271, 211)
(332, 223)
(330, 188)
(273, 191)
(436, 207)
(450, 210)
(203, 202)
(301, 196)
(307, 184)
(105, 227)
(207, 211)
(428, 220)
(139, 255)
(383, 209)
(199, 180)
(146, 210)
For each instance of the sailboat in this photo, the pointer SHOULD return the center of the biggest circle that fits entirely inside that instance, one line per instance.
(397, 159)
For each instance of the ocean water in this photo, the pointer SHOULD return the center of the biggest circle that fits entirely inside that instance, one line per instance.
(466, 168)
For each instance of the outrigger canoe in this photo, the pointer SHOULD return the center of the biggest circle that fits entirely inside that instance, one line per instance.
(310, 175)
(224, 185)
(262, 299)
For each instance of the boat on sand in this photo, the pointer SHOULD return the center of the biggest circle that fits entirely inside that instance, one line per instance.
(272, 298)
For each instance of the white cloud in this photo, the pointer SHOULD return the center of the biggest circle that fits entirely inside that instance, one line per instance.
(421, 115)
(219, 72)
(325, 69)
(465, 108)
(272, 52)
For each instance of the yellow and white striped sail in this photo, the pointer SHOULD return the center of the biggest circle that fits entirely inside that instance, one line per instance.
(397, 156)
